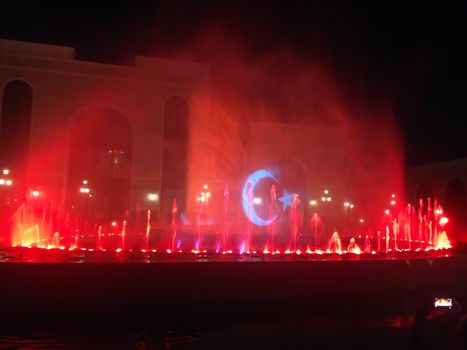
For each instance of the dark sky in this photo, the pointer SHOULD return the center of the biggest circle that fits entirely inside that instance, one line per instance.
(414, 54)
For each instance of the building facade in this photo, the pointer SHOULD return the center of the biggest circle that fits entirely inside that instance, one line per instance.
(94, 122)
(114, 138)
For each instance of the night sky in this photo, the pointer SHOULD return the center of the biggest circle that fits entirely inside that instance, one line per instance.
(413, 55)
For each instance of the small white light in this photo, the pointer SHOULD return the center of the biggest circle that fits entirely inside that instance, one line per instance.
(205, 187)
(153, 197)
(346, 204)
(85, 182)
(393, 195)
(313, 202)
(323, 199)
(2, 181)
(35, 193)
(328, 199)
(8, 182)
(387, 212)
(208, 194)
(326, 191)
(6, 171)
(393, 202)
(362, 221)
(351, 206)
(257, 200)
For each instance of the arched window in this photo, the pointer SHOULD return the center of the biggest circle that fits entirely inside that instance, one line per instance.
(175, 153)
(16, 126)
(101, 142)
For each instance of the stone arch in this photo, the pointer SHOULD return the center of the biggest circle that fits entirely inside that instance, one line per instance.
(15, 126)
(101, 152)
(175, 131)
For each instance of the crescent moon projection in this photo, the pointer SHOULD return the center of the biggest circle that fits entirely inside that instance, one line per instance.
(250, 212)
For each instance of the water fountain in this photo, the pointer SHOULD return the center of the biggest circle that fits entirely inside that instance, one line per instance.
(99, 245)
(334, 244)
(123, 235)
(174, 212)
(249, 199)
(272, 213)
(316, 226)
(148, 229)
(39, 224)
(225, 223)
(294, 215)
(353, 247)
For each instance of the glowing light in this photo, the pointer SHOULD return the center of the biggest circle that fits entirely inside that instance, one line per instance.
(84, 190)
(351, 206)
(205, 187)
(85, 182)
(393, 202)
(208, 194)
(257, 200)
(361, 221)
(2, 181)
(313, 202)
(8, 182)
(443, 221)
(114, 223)
(247, 192)
(323, 199)
(439, 211)
(153, 197)
(346, 204)
(443, 302)
(393, 195)
(443, 241)
(6, 171)
(35, 193)
(387, 212)
(328, 199)
(326, 191)
(118, 250)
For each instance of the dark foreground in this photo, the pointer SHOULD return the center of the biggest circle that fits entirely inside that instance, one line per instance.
(370, 304)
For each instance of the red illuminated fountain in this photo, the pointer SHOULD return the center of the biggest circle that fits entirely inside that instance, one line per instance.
(38, 225)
